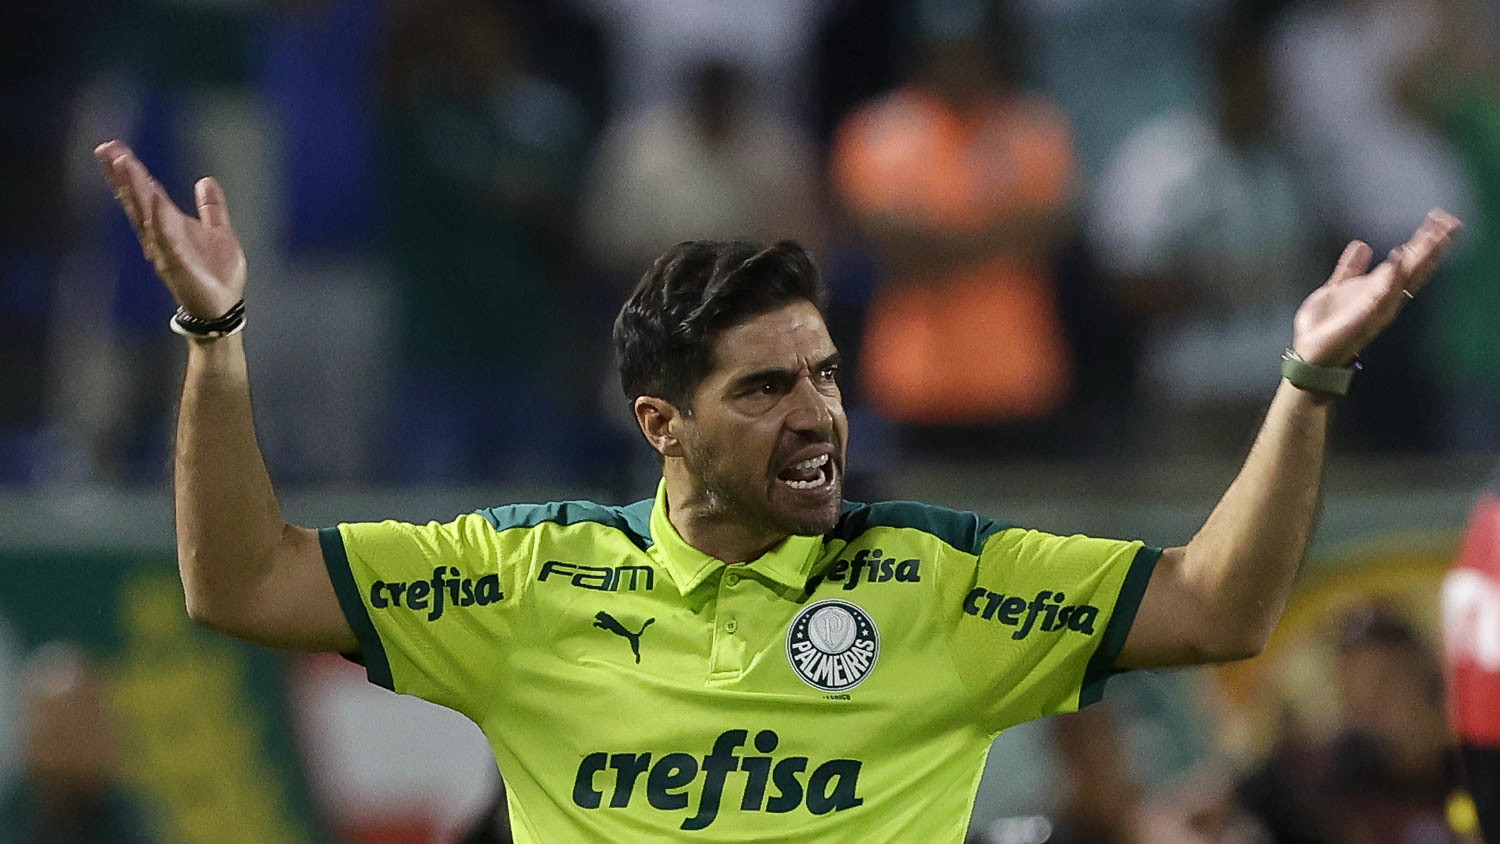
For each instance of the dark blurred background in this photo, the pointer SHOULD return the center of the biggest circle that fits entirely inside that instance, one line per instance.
(1065, 240)
(1062, 229)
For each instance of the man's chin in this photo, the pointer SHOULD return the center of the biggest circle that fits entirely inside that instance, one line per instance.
(811, 518)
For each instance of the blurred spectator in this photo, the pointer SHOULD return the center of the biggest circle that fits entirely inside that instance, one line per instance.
(318, 63)
(1389, 770)
(148, 63)
(861, 50)
(1377, 169)
(712, 166)
(655, 46)
(1103, 802)
(1110, 66)
(70, 790)
(1201, 223)
(1455, 85)
(1471, 644)
(483, 159)
(1338, 66)
(963, 185)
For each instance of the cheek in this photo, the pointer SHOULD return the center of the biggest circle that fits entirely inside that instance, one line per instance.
(739, 449)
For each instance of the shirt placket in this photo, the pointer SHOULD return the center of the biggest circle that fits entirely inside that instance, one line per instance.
(731, 651)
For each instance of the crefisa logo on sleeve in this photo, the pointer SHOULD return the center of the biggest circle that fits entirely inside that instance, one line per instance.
(832, 645)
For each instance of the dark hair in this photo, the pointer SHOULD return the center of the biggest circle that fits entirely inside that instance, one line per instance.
(1378, 625)
(665, 333)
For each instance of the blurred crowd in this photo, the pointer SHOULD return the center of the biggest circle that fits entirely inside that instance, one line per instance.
(1052, 227)
(1374, 762)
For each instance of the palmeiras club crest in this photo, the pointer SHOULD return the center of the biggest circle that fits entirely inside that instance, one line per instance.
(832, 645)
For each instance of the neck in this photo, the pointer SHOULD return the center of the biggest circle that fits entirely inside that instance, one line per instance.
(701, 520)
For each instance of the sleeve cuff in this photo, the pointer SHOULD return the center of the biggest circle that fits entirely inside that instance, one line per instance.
(1102, 665)
(371, 651)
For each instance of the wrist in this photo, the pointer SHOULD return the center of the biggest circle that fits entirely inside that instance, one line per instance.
(200, 329)
(1326, 381)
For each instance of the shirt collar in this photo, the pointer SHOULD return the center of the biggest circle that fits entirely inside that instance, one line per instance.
(789, 563)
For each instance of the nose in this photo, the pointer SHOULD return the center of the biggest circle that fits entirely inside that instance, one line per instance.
(811, 409)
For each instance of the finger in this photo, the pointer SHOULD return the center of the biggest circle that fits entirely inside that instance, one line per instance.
(138, 192)
(1355, 261)
(117, 169)
(1424, 252)
(107, 154)
(213, 207)
(155, 216)
(1387, 283)
(166, 230)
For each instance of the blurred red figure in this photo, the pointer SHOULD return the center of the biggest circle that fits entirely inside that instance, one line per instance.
(1471, 639)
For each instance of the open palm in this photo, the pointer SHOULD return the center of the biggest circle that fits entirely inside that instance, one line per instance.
(199, 259)
(1340, 318)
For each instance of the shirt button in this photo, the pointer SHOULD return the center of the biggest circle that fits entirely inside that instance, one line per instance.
(731, 625)
(731, 579)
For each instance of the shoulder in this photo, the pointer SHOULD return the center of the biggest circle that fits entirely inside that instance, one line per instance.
(962, 529)
(633, 520)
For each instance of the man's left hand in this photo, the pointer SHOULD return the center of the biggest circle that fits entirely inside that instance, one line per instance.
(1356, 303)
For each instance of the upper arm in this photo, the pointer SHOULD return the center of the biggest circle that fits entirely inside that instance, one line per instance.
(1174, 625)
(293, 606)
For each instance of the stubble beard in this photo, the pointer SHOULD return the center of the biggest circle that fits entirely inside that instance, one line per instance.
(729, 501)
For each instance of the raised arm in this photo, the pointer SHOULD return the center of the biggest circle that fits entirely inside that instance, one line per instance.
(1218, 597)
(245, 571)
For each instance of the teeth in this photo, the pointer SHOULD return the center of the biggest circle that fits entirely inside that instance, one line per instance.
(812, 462)
(821, 479)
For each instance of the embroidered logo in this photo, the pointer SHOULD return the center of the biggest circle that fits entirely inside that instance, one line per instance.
(832, 645)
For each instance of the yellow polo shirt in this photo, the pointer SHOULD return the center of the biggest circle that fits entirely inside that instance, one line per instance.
(843, 687)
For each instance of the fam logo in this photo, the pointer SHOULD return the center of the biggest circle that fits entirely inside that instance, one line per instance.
(448, 587)
(868, 567)
(1015, 611)
(832, 786)
(600, 578)
(832, 645)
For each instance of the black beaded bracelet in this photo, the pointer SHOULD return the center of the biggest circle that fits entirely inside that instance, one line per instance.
(199, 328)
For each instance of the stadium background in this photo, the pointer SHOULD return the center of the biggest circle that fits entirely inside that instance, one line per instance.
(443, 203)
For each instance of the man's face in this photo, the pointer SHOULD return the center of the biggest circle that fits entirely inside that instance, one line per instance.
(765, 441)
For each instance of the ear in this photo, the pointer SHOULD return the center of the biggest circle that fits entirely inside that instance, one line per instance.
(662, 423)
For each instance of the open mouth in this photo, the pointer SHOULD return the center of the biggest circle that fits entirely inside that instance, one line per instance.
(812, 473)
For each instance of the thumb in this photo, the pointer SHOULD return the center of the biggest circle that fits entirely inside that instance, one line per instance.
(213, 208)
(1355, 261)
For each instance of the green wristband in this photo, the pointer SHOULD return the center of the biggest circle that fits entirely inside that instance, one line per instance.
(1332, 380)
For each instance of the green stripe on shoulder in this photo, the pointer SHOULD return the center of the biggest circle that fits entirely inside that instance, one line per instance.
(1102, 665)
(962, 529)
(371, 650)
(633, 520)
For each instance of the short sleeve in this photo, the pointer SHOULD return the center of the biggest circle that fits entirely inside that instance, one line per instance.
(427, 603)
(1038, 619)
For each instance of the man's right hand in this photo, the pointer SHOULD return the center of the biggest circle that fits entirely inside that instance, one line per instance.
(200, 260)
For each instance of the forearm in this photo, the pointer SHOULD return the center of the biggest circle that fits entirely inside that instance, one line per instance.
(1245, 557)
(229, 523)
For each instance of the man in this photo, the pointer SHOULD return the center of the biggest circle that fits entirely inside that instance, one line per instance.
(808, 668)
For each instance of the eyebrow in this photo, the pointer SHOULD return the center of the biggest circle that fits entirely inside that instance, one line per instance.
(780, 374)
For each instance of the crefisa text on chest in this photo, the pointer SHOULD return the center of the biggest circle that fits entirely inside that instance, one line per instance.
(867, 566)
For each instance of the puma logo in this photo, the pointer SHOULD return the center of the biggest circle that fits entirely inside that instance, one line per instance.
(605, 621)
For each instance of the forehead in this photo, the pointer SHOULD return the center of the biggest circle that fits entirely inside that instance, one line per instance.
(793, 336)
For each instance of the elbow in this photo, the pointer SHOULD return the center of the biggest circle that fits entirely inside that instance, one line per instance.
(1234, 645)
(206, 613)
